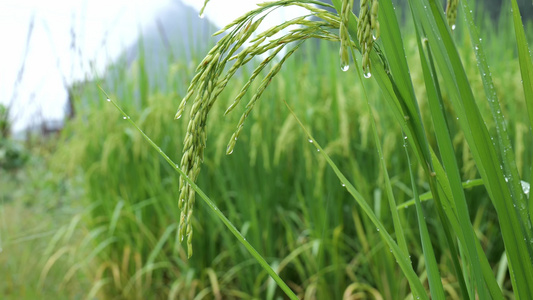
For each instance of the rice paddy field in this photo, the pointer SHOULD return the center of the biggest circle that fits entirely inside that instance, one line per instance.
(410, 184)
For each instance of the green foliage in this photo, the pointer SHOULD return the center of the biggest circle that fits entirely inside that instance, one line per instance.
(295, 204)
(34, 203)
(12, 154)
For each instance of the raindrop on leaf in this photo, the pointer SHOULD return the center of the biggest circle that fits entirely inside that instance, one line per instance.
(345, 67)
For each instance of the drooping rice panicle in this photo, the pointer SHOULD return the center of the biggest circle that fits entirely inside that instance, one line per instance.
(264, 84)
(272, 31)
(240, 46)
(294, 35)
(252, 78)
(368, 22)
(451, 12)
(346, 11)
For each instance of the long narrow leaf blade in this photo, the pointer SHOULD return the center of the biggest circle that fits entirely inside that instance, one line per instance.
(403, 261)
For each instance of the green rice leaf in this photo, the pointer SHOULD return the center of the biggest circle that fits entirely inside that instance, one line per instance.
(504, 142)
(403, 260)
(430, 16)
(435, 283)
(526, 70)
(213, 208)
(398, 229)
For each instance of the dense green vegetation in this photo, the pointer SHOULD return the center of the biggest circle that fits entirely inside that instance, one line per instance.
(96, 213)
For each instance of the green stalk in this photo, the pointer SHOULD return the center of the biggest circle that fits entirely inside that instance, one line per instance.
(434, 279)
(431, 17)
(403, 260)
(526, 71)
(398, 229)
(458, 213)
(503, 140)
(398, 89)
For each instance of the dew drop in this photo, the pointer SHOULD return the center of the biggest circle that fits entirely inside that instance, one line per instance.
(310, 140)
(378, 229)
(374, 37)
(342, 184)
(368, 75)
(108, 100)
(344, 67)
(526, 188)
(317, 150)
(201, 15)
(229, 151)
(453, 27)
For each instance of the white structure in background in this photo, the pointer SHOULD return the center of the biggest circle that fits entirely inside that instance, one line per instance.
(100, 30)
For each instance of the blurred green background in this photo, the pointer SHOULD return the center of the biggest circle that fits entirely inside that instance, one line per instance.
(91, 211)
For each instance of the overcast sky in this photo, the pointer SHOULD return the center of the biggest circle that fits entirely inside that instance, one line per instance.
(50, 59)
(48, 56)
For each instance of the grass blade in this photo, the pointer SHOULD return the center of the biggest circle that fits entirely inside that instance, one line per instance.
(526, 70)
(435, 284)
(504, 142)
(213, 207)
(431, 17)
(398, 229)
(403, 261)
